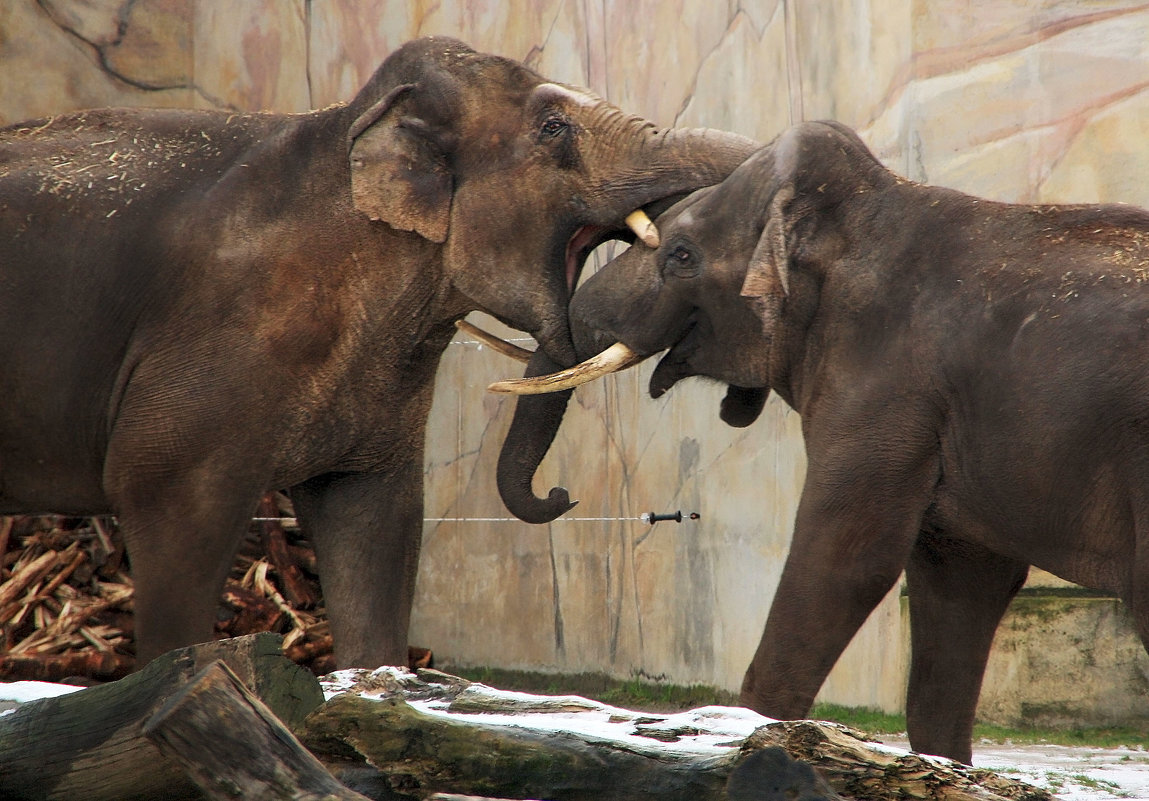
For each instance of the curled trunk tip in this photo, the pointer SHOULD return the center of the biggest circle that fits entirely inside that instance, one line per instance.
(533, 428)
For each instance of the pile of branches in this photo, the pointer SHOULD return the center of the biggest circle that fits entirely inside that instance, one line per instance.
(66, 595)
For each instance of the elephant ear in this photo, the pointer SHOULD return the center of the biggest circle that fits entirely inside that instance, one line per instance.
(767, 281)
(400, 156)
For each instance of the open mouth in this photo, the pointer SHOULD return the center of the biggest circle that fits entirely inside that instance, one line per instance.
(638, 226)
(581, 245)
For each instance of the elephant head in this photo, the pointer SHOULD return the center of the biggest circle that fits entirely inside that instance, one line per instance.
(724, 294)
(515, 177)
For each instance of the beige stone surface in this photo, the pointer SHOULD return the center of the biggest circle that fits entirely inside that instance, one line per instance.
(1009, 99)
(1065, 661)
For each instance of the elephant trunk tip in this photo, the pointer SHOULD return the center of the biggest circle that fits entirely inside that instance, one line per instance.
(531, 509)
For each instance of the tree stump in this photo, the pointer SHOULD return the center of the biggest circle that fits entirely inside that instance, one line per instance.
(231, 745)
(89, 744)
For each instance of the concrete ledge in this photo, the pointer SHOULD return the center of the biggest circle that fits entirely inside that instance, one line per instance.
(1066, 660)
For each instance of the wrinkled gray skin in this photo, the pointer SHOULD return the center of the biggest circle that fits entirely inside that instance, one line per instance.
(199, 306)
(973, 382)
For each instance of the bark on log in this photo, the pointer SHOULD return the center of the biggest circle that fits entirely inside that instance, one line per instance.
(435, 734)
(457, 797)
(88, 744)
(231, 745)
(90, 664)
(857, 769)
(422, 753)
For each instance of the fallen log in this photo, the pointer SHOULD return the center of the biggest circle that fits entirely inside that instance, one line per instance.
(429, 733)
(231, 745)
(859, 769)
(89, 745)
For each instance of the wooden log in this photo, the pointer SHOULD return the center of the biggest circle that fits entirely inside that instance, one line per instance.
(231, 745)
(57, 667)
(856, 769)
(88, 744)
(433, 733)
(420, 753)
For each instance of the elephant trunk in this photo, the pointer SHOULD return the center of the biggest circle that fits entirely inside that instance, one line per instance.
(533, 428)
(696, 157)
(671, 163)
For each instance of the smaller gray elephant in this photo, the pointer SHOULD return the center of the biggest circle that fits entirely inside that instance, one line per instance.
(973, 382)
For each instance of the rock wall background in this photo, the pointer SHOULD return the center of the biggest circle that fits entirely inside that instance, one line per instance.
(1019, 100)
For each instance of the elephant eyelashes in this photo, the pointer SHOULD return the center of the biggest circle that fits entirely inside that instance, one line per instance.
(681, 262)
(555, 133)
(554, 127)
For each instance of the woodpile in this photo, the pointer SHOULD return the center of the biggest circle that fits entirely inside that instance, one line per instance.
(66, 596)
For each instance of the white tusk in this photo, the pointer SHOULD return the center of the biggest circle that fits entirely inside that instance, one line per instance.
(502, 346)
(617, 357)
(643, 228)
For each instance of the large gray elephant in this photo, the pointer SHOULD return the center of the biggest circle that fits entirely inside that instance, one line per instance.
(199, 306)
(973, 383)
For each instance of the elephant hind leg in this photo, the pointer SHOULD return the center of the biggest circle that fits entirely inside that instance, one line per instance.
(1135, 592)
(180, 559)
(182, 529)
(958, 593)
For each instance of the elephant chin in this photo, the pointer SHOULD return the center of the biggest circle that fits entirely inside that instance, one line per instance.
(742, 405)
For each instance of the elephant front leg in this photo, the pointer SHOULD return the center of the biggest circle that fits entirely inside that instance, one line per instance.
(855, 528)
(367, 530)
(958, 593)
(821, 601)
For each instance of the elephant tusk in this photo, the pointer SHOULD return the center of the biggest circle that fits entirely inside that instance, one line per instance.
(615, 358)
(643, 228)
(502, 346)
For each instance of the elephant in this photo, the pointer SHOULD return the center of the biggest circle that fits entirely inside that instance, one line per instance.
(972, 379)
(199, 306)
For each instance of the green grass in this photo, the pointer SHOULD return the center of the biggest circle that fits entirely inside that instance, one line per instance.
(636, 693)
(879, 723)
(870, 720)
(646, 694)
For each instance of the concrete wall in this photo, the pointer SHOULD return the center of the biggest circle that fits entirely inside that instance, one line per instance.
(1021, 100)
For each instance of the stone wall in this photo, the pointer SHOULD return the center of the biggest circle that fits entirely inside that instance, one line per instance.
(1020, 100)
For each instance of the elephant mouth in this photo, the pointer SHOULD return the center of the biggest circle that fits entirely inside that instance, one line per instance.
(579, 248)
(675, 365)
(638, 227)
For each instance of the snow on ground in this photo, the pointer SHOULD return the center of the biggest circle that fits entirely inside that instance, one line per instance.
(1071, 773)
(19, 692)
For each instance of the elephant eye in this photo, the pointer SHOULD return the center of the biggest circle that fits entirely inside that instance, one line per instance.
(554, 126)
(680, 261)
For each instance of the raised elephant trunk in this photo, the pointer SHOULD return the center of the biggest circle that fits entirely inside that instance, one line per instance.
(533, 429)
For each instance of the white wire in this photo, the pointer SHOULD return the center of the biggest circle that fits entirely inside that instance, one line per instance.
(291, 521)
